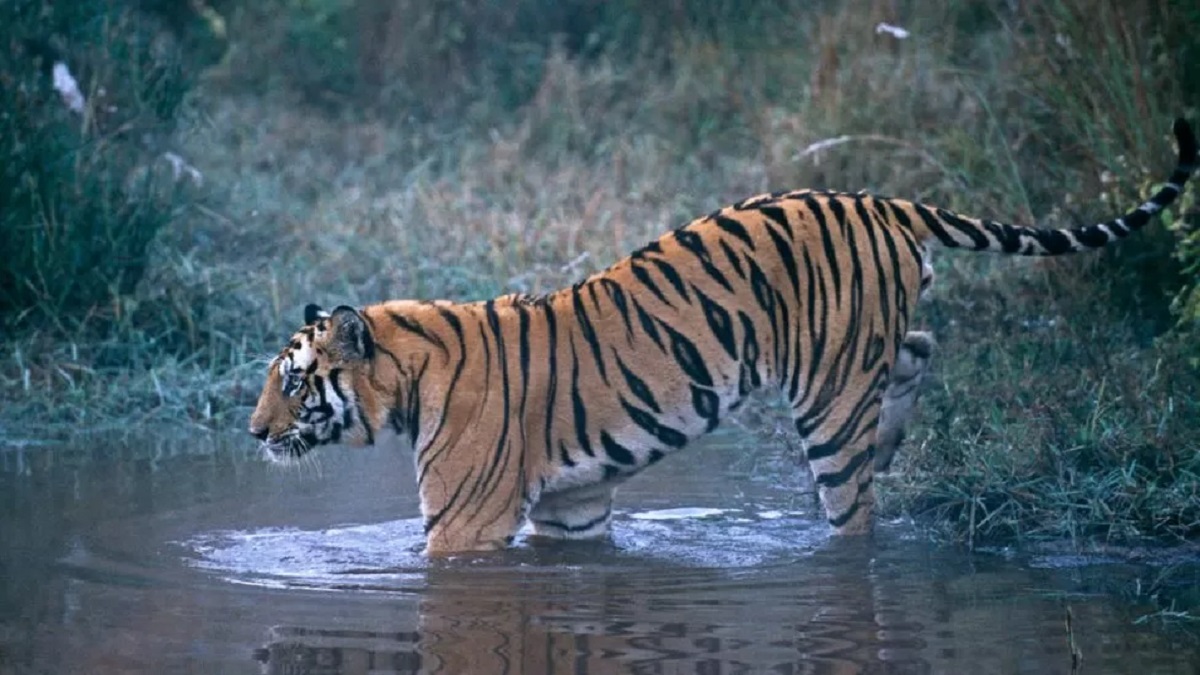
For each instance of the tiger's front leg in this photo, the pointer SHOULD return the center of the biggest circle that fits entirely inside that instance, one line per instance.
(456, 523)
(578, 513)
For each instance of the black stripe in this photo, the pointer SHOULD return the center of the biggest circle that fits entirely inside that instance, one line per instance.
(433, 520)
(672, 277)
(881, 277)
(323, 403)
(838, 211)
(888, 234)
(784, 249)
(413, 401)
(646, 280)
(589, 333)
(652, 247)
(718, 322)
(827, 244)
(452, 319)
(578, 410)
(750, 349)
(414, 327)
(873, 351)
(845, 432)
(733, 259)
(647, 323)
(779, 216)
(582, 527)
(841, 476)
(897, 214)
(1056, 242)
(707, 405)
(615, 451)
(636, 385)
(523, 364)
(591, 289)
(688, 357)
(347, 417)
(790, 361)
(816, 329)
(934, 225)
(498, 454)
(764, 294)
(745, 384)
(665, 434)
(692, 242)
(978, 239)
(455, 325)
(1008, 236)
(734, 229)
(857, 293)
(617, 295)
(564, 455)
(552, 370)
(845, 517)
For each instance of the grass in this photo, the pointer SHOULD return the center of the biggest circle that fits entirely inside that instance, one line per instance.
(1070, 429)
(1061, 408)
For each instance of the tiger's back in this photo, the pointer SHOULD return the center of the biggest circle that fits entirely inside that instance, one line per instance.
(538, 407)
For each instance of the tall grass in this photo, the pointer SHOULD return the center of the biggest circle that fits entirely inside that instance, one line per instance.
(354, 152)
(81, 198)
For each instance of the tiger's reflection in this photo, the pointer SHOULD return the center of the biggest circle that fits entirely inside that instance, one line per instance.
(661, 620)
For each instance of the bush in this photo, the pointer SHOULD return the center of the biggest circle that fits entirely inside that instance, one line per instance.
(82, 191)
(1109, 76)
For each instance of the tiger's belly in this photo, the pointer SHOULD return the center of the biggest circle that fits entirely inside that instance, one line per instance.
(640, 436)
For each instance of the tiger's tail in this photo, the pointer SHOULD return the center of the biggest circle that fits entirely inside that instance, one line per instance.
(957, 231)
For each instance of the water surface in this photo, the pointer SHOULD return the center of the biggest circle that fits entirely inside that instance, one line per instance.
(194, 556)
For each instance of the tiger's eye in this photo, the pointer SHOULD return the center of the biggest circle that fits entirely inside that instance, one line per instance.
(291, 383)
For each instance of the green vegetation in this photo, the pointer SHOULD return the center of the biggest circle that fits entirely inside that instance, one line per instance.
(79, 200)
(353, 151)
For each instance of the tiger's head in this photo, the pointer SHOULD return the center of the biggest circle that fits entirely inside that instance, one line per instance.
(316, 391)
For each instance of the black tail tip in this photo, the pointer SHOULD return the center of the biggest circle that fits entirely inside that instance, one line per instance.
(1187, 142)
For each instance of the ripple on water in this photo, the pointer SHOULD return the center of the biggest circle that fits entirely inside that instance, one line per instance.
(387, 556)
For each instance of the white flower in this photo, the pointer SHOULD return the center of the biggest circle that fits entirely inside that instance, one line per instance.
(68, 88)
(895, 31)
(180, 167)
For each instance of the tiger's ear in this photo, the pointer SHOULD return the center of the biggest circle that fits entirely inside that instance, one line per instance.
(312, 313)
(351, 337)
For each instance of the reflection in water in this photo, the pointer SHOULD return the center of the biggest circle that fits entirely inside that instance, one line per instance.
(209, 562)
(840, 610)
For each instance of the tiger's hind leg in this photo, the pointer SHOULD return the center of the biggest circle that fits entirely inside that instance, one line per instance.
(839, 442)
(577, 513)
(900, 397)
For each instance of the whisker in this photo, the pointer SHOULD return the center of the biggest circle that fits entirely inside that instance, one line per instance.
(302, 465)
(319, 466)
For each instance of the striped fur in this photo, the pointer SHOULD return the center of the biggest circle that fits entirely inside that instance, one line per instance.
(538, 407)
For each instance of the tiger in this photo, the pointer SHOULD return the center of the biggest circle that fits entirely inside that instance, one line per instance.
(535, 408)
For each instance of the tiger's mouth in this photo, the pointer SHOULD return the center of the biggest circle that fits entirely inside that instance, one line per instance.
(289, 446)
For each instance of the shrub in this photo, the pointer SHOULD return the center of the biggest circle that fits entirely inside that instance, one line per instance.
(81, 193)
(1108, 76)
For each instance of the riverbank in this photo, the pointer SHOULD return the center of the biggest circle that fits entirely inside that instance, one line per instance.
(1064, 401)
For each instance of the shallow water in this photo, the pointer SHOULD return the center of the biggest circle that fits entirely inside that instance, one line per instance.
(195, 557)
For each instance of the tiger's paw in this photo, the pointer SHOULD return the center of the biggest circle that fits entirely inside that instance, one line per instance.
(901, 396)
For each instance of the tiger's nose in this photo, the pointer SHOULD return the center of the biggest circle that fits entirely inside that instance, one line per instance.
(260, 433)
